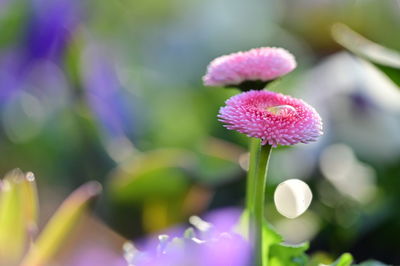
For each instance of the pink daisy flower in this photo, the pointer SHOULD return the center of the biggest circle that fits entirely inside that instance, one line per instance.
(275, 118)
(251, 69)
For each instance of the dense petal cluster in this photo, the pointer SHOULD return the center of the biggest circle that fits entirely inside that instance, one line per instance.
(259, 64)
(275, 118)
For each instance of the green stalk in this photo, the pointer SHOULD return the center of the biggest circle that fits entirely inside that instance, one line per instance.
(251, 179)
(259, 200)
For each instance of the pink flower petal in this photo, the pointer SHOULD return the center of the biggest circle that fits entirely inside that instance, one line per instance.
(259, 64)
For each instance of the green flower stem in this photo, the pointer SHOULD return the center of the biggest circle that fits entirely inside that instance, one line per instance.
(264, 153)
(251, 178)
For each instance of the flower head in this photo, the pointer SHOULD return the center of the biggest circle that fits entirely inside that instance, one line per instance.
(275, 118)
(251, 69)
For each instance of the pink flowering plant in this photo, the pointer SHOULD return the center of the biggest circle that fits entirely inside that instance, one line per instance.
(270, 119)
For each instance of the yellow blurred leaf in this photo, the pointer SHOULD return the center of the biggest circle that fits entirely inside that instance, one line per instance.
(30, 203)
(13, 233)
(60, 225)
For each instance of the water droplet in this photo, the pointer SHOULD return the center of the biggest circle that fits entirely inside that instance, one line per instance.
(30, 177)
(282, 110)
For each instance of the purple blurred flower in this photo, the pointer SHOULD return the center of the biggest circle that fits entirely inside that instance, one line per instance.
(209, 245)
(10, 76)
(48, 31)
(50, 28)
(3, 5)
(103, 92)
(44, 79)
(99, 256)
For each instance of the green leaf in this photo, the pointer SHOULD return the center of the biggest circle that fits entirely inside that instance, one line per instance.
(279, 254)
(371, 263)
(60, 225)
(12, 20)
(285, 255)
(157, 174)
(392, 73)
(157, 180)
(213, 170)
(319, 258)
(270, 238)
(242, 227)
(385, 59)
(345, 260)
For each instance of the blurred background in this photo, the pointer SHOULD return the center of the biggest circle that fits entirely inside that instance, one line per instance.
(111, 91)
